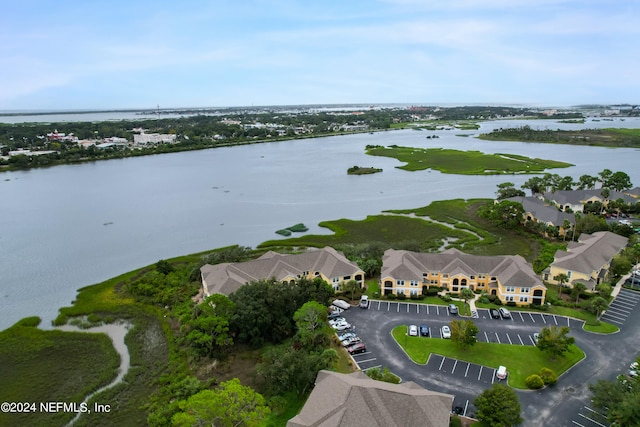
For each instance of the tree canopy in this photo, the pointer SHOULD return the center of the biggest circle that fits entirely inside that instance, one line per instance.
(554, 340)
(498, 406)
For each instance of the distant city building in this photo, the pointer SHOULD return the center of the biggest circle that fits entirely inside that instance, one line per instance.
(145, 139)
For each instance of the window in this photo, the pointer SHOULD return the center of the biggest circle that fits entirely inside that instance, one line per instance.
(414, 283)
(509, 298)
(472, 277)
(305, 273)
(446, 276)
(525, 290)
(482, 276)
(399, 282)
(425, 274)
(414, 292)
(510, 289)
(493, 279)
(569, 274)
(524, 299)
(347, 277)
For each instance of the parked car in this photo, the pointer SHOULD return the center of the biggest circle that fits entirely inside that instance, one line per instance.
(446, 332)
(424, 330)
(364, 301)
(350, 341)
(453, 309)
(338, 319)
(633, 369)
(346, 335)
(341, 304)
(334, 315)
(495, 314)
(536, 337)
(357, 348)
(413, 331)
(501, 373)
(504, 313)
(342, 326)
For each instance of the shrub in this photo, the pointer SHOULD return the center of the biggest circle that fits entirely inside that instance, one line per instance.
(445, 298)
(534, 382)
(416, 297)
(391, 296)
(548, 376)
(454, 294)
(431, 292)
(401, 296)
(484, 299)
(511, 304)
(455, 421)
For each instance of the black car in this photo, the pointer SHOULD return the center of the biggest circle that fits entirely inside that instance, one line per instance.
(424, 330)
(494, 313)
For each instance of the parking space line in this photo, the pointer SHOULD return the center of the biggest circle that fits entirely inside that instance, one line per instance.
(532, 340)
(614, 321)
(543, 319)
(521, 318)
(493, 377)
(398, 310)
(371, 367)
(577, 423)
(388, 305)
(592, 420)
(520, 339)
(480, 373)
(555, 319)
(454, 366)
(438, 310)
(486, 336)
(367, 360)
(618, 311)
(532, 319)
(568, 322)
(408, 305)
(509, 338)
(466, 405)
(467, 370)
(427, 309)
(498, 338)
(379, 305)
(441, 363)
(626, 303)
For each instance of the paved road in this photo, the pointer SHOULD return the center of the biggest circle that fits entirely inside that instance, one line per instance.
(564, 404)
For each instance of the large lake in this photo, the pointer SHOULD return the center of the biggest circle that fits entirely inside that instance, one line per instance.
(66, 227)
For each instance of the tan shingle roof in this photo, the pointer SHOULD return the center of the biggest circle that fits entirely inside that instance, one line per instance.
(591, 252)
(226, 278)
(355, 400)
(509, 269)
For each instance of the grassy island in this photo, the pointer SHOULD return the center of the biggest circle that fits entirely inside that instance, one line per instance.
(357, 170)
(521, 361)
(608, 137)
(463, 162)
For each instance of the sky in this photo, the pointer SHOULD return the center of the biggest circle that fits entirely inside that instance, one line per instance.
(65, 55)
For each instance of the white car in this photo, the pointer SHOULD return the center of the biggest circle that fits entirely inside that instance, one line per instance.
(337, 320)
(413, 331)
(346, 336)
(446, 332)
(350, 341)
(341, 304)
(341, 326)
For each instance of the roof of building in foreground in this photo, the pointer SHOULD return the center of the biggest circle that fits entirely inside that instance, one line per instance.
(355, 400)
(508, 269)
(226, 278)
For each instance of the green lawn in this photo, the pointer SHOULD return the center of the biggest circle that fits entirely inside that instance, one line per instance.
(521, 361)
(464, 162)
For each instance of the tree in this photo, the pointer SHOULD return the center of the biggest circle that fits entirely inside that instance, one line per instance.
(604, 290)
(311, 321)
(231, 404)
(619, 181)
(208, 328)
(505, 214)
(598, 305)
(351, 286)
(587, 182)
(466, 294)
(285, 369)
(620, 264)
(464, 333)
(577, 289)
(561, 279)
(535, 184)
(566, 227)
(604, 176)
(618, 399)
(554, 340)
(590, 224)
(498, 406)
(506, 190)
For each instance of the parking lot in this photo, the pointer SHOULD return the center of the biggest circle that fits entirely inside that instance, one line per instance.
(466, 380)
(621, 307)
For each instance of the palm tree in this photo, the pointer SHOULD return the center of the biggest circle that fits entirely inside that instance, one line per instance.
(578, 288)
(561, 279)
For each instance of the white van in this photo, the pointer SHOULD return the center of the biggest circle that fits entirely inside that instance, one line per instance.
(501, 373)
(341, 304)
(364, 301)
